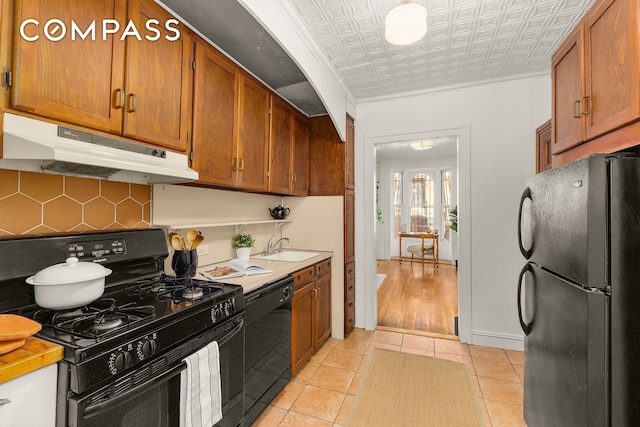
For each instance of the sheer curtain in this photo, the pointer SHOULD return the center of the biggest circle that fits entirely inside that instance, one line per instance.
(445, 233)
(397, 202)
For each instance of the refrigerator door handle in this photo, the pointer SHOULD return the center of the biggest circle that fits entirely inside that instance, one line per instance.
(526, 327)
(526, 253)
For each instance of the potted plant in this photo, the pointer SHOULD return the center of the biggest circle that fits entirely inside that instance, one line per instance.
(453, 219)
(243, 243)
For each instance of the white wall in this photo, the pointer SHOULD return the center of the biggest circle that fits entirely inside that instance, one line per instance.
(495, 124)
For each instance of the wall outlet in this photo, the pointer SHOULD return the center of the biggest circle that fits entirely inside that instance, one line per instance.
(202, 250)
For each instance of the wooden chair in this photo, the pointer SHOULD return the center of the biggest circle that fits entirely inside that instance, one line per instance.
(427, 250)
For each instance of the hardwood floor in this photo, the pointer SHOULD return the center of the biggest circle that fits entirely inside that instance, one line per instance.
(410, 300)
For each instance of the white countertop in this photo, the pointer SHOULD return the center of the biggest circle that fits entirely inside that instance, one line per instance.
(280, 269)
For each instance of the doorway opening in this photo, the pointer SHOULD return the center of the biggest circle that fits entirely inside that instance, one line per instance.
(416, 191)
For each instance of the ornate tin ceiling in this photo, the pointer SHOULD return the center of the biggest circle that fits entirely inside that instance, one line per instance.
(467, 41)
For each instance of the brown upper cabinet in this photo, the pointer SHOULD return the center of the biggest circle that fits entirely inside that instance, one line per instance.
(230, 123)
(300, 161)
(139, 89)
(543, 147)
(327, 167)
(215, 110)
(280, 154)
(349, 155)
(595, 75)
(252, 160)
(289, 150)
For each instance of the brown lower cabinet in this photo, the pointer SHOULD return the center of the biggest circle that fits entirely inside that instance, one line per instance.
(311, 312)
(350, 298)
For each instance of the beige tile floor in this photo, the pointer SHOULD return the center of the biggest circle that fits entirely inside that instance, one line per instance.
(322, 392)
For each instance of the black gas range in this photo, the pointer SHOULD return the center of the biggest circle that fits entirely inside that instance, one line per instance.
(135, 335)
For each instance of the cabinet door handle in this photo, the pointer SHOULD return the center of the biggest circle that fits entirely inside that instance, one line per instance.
(576, 109)
(133, 102)
(241, 164)
(315, 293)
(584, 105)
(120, 98)
(4, 401)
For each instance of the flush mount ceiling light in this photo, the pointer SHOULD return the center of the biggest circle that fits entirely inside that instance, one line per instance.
(423, 145)
(406, 23)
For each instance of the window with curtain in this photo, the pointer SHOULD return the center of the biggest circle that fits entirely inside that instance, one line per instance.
(446, 205)
(422, 207)
(397, 202)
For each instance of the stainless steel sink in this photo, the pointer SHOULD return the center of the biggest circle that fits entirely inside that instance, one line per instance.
(291, 256)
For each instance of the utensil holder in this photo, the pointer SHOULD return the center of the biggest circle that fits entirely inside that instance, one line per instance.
(185, 263)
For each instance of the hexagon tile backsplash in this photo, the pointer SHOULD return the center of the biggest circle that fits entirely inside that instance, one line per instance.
(35, 203)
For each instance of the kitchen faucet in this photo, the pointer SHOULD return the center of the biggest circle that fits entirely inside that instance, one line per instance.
(271, 245)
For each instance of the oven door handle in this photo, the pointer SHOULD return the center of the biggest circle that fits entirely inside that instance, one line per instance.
(232, 333)
(100, 408)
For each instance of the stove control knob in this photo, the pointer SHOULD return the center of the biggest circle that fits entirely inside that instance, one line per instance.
(227, 308)
(216, 314)
(287, 292)
(148, 347)
(122, 360)
(232, 302)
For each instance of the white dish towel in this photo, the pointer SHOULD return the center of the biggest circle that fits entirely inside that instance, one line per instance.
(200, 393)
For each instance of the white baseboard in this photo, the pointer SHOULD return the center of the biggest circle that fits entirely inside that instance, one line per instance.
(497, 340)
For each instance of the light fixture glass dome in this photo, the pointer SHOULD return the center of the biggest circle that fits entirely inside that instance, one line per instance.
(423, 145)
(405, 24)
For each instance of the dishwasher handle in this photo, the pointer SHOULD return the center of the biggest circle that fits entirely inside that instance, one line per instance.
(283, 286)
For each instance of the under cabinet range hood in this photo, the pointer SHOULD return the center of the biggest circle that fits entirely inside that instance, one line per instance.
(37, 146)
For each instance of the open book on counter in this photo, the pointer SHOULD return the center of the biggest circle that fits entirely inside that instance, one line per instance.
(234, 268)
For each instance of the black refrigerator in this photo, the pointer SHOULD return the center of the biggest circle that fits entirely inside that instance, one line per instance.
(579, 293)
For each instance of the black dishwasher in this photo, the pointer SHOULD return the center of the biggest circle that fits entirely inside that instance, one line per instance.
(267, 345)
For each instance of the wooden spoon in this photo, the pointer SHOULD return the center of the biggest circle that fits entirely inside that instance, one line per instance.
(199, 238)
(191, 237)
(177, 242)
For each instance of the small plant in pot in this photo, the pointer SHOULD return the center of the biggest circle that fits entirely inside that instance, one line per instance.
(243, 244)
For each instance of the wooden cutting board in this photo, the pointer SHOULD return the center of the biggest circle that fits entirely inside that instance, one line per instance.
(14, 327)
(34, 354)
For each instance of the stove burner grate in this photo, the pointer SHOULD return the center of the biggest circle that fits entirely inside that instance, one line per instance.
(98, 319)
(176, 288)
